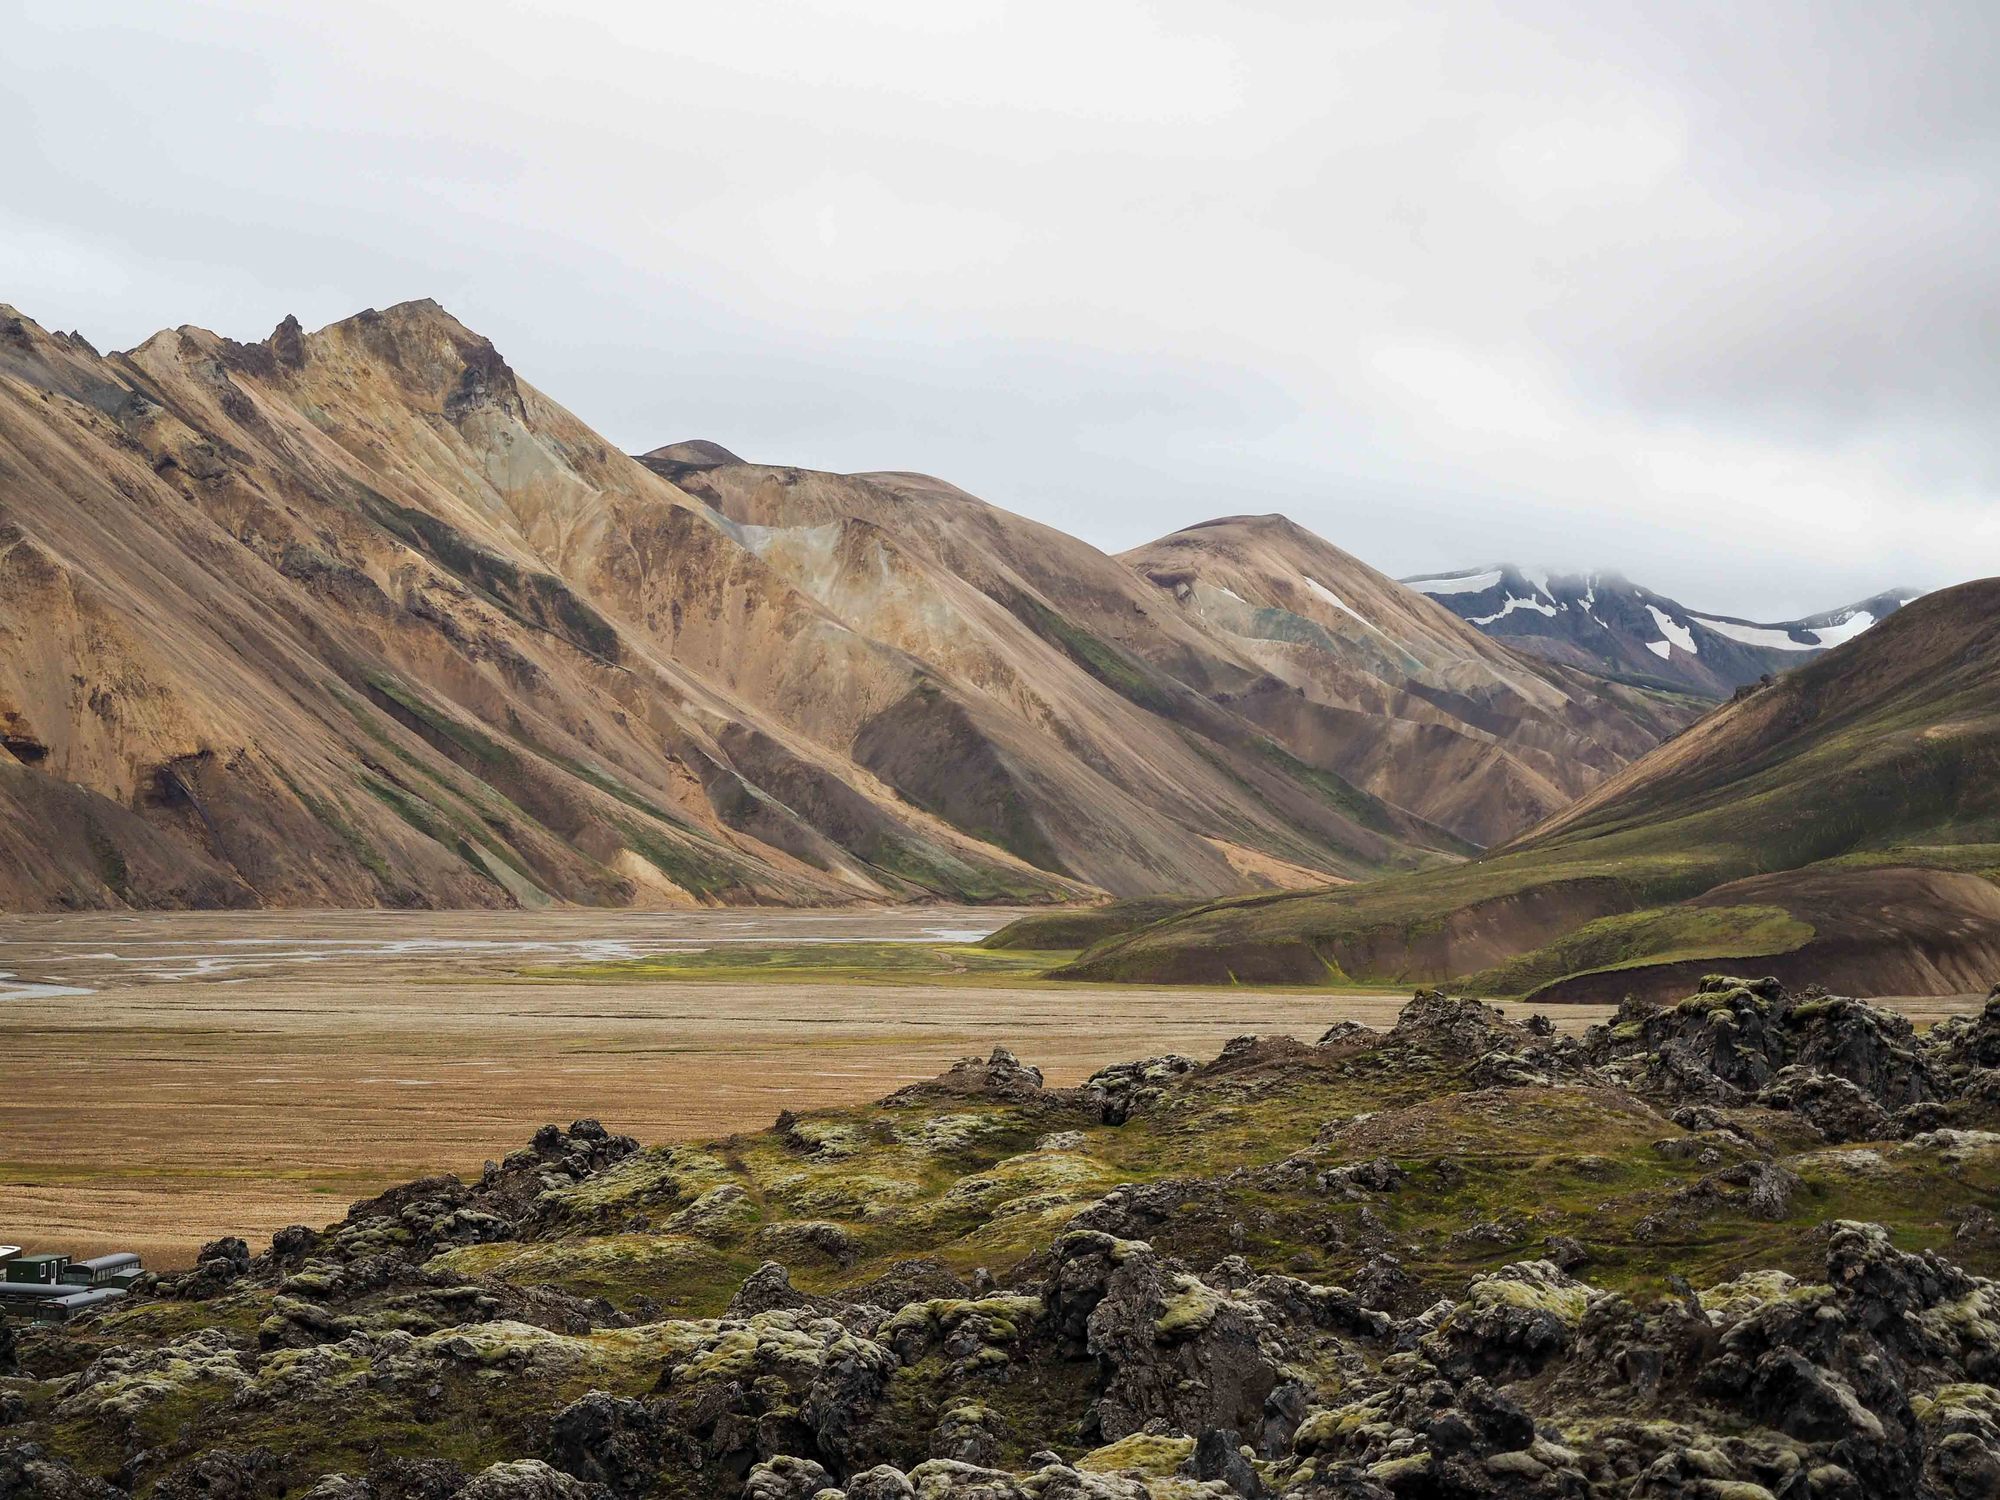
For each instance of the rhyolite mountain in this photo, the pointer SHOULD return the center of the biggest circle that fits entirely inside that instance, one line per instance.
(358, 617)
(1371, 680)
(1840, 823)
(1603, 623)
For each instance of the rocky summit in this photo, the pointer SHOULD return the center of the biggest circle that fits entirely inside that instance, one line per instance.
(1735, 1247)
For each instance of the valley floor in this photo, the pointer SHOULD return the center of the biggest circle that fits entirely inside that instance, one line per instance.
(233, 1073)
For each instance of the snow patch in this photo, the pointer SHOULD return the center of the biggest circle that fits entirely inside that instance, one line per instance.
(1844, 630)
(1341, 605)
(1770, 637)
(1660, 649)
(1672, 630)
(1474, 583)
(1507, 609)
(1321, 591)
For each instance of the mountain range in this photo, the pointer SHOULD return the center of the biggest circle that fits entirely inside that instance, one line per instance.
(1602, 623)
(358, 617)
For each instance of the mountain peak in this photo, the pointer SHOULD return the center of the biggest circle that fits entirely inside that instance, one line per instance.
(689, 456)
(1268, 521)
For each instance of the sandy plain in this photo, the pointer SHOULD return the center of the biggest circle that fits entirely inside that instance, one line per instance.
(165, 1079)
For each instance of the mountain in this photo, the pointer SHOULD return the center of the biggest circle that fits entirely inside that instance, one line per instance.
(359, 617)
(1601, 623)
(1368, 679)
(1842, 819)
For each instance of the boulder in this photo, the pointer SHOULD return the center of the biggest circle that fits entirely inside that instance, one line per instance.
(610, 1441)
(1511, 1324)
(1840, 1110)
(527, 1479)
(786, 1478)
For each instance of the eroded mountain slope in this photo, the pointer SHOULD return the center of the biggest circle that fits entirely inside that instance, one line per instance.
(296, 609)
(1362, 676)
(1421, 714)
(358, 617)
(1010, 619)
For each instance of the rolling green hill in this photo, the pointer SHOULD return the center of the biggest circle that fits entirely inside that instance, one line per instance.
(1881, 756)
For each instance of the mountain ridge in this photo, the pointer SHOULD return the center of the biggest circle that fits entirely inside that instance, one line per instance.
(1603, 622)
(357, 616)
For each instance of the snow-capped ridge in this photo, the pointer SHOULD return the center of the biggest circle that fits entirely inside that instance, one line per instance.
(1602, 622)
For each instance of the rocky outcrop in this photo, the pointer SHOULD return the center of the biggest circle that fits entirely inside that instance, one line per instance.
(526, 1479)
(1842, 1064)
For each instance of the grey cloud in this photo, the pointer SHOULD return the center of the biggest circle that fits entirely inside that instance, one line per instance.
(1705, 293)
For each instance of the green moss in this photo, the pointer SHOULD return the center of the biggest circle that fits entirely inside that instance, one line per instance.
(824, 963)
(444, 731)
(696, 867)
(1662, 935)
(1076, 928)
(1189, 1311)
(1566, 1303)
(635, 1272)
(1142, 1453)
(1123, 674)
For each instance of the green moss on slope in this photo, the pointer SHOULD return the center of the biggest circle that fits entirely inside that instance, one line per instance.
(1661, 935)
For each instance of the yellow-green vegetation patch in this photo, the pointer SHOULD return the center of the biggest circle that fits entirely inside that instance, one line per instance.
(1142, 1453)
(1564, 1302)
(723, 1215)
(1189, 1310)
(1970, 859)
(144, 1383)
(954, 1133)
(689, 1276)
(996, 1320)
(661, 1175)
(825, 963)
(1072, 929)
(1952, 1404)
(1742, 1295)
(858, 1197)
(238, 1314)
(1632, 940)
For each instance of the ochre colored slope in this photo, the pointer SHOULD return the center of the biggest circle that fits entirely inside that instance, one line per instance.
(319, 613)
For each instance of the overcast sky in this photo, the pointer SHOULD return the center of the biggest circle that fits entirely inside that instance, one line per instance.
(1708, 293)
